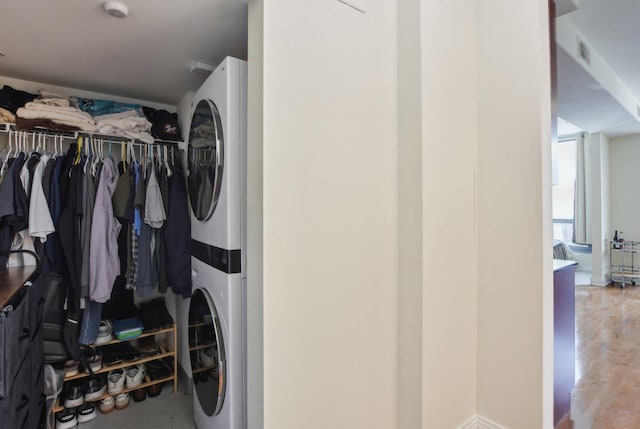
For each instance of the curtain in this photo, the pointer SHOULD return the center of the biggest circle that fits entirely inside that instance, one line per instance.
(582, 195)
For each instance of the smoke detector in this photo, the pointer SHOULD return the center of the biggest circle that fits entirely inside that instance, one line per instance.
(116, 9)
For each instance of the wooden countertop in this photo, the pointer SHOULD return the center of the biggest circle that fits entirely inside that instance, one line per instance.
(11, 280)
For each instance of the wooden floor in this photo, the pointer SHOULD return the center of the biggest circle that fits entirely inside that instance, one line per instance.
(607, 394)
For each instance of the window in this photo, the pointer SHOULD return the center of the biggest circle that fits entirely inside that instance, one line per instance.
(564, 177)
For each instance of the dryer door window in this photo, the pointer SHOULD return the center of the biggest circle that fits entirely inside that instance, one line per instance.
(207, 352)
(206, 159)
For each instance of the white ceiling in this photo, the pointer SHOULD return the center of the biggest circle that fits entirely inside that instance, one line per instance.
(74, 43)
(610, 29)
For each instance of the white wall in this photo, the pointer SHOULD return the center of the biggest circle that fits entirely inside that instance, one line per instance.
(329, 188)
(255, 349)
(624, 160)
(515, 309)
(410, 379)
(449, 278)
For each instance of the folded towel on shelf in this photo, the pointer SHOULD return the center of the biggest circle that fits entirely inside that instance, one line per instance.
(58, 116)
(104, 107)
(128, 123)
(23, 124)
(60, 102)
(34, 105)
(137, 135)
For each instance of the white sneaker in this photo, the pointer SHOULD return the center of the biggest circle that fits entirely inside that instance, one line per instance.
(115, 381)
(135, 375)
(122, 401)
(107, 404)
(104, 333)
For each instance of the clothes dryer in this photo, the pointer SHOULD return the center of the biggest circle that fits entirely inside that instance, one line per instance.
(217, 348)
(216, 158)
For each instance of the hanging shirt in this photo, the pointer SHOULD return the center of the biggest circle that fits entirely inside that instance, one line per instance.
(88, 201)
(104, 260)
(40, 222)
(154, 214)
(178, 233)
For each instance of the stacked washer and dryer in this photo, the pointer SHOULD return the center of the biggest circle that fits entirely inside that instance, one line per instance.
(216, 158)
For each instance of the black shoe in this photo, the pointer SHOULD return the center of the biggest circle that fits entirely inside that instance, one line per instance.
(66, 419)
(74, 397)
(87, 412)
(94, 389)
(159, 369)
(154, 390)
(139, 395)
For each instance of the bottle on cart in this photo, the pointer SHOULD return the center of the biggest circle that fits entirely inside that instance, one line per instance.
(616, 245)
(621, 240)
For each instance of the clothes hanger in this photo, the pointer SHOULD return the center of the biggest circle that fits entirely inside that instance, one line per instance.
(166, 161)
(4, 168)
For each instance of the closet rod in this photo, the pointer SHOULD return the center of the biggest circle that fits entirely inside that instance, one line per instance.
(115, 138)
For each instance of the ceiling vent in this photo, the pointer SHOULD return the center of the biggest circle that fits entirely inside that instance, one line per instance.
(583, 51)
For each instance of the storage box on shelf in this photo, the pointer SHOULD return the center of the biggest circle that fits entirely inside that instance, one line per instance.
(166, 350)
(624, 266)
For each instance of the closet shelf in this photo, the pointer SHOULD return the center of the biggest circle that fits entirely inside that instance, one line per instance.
(59, 407)
(202, 346)
(166, 350)
(6, 127)
(144, 334)
(122, 365)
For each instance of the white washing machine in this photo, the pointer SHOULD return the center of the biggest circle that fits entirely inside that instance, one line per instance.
(216, 162)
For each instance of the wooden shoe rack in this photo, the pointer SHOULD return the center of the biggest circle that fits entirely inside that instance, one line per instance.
(166, 350)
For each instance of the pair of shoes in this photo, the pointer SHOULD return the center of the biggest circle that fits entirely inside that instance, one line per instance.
(139, 395)
(70, 417)
(107, 404)
(147, 346)
(71, 368)
(135, 375)
(122, 401)
(91, 358)
(119, 352)
(160, 368)
(104, 332)
(154, 390)
(94, 389)
(73, 396)
(115, 381)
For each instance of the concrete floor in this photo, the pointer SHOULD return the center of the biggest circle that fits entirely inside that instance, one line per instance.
(167, 411)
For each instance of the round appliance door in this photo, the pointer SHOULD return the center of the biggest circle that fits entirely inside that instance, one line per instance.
(207, 352)
(205, 156)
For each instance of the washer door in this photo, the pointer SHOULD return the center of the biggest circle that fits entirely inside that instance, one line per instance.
(206, 159)
(207, 352)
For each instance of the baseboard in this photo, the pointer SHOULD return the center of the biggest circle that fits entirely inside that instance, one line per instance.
(479, 422)
(184, 380)
(600, 282)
